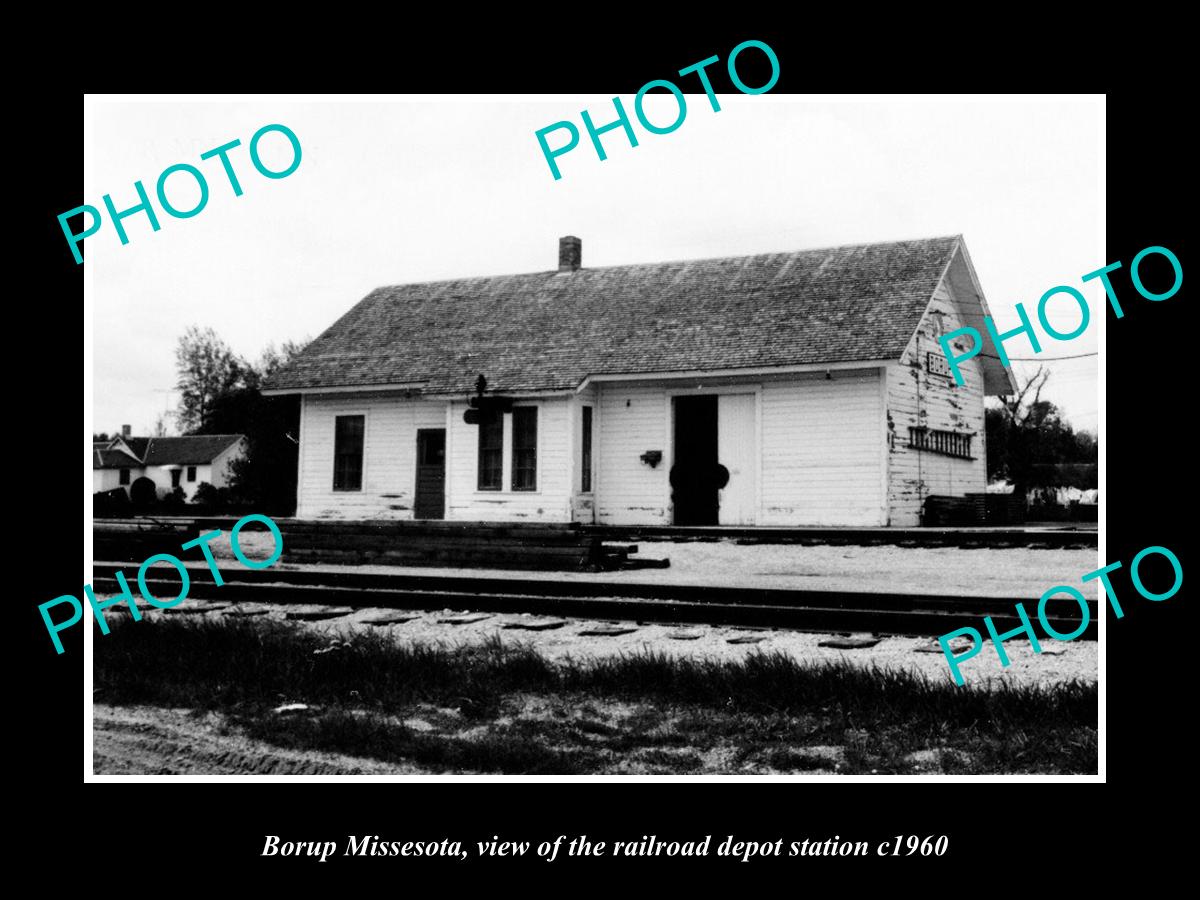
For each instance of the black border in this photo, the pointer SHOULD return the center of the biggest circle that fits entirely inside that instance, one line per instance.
(1030, 828)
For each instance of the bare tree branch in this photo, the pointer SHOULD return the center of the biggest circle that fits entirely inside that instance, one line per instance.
(1018, 409)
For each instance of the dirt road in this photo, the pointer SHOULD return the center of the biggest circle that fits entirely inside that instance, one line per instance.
(146, 741)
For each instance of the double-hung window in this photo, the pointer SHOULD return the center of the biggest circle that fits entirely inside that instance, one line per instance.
(521, 456)
(491, 453)
(348, 452)
(524, 448)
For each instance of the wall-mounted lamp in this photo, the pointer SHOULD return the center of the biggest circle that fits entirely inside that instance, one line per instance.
(652, 458)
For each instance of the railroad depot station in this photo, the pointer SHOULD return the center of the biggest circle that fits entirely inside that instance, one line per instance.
(476, 456)
(801, 389)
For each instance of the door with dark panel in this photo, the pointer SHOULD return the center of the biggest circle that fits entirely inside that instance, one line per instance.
(695, 470)
(431, 474)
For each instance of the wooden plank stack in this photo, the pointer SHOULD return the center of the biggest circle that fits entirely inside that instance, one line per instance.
(968, 510)
(133, 540)
(1003, 509)
(451, 544)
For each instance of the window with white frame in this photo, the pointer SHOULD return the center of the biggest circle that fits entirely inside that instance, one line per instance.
(524, 448)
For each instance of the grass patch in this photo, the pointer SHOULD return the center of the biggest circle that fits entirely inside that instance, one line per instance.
(343, 732)
(506, 708)
(785, 759)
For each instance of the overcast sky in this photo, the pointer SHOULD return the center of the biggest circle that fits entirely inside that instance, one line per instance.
(408, 190)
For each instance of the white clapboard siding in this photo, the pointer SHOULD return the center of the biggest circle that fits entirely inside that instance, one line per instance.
(389, 455)
(632, 419)
(820, 457)
(551, 502)
(822, 461)
(918, 398)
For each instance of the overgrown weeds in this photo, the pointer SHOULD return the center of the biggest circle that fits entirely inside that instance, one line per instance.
(645, 711)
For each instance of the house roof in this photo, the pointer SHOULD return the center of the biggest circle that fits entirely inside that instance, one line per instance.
(550, 331)
(193, 450)
(105, 458)
(189, 450)
(138, 445)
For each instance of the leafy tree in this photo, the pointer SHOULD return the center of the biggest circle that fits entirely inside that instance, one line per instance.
(273, 360)
(265, 478)
(1031, 445)
(175, 498)
(207, 495)
(208, 370)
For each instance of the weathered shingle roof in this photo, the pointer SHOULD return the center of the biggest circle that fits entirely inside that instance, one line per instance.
(547, 331)
(187, 451)
(104, 458)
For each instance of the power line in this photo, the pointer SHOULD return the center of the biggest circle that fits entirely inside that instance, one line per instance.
(1042, 358)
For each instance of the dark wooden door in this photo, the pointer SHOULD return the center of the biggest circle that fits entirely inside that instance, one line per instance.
(695, 477)
(431, 474)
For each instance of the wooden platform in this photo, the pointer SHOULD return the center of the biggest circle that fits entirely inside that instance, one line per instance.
(459, 544)
(491, 545)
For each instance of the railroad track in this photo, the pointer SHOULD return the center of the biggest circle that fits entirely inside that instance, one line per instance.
(1066, 537)
(799, 610)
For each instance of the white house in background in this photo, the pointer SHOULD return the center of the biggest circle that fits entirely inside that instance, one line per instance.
(113, 465)
(784, 389)
(169, 462)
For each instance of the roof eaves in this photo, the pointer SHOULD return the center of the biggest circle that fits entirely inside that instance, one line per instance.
(961, 246)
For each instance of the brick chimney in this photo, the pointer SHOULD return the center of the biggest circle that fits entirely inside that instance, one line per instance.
(570, 254)
(126, 431)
